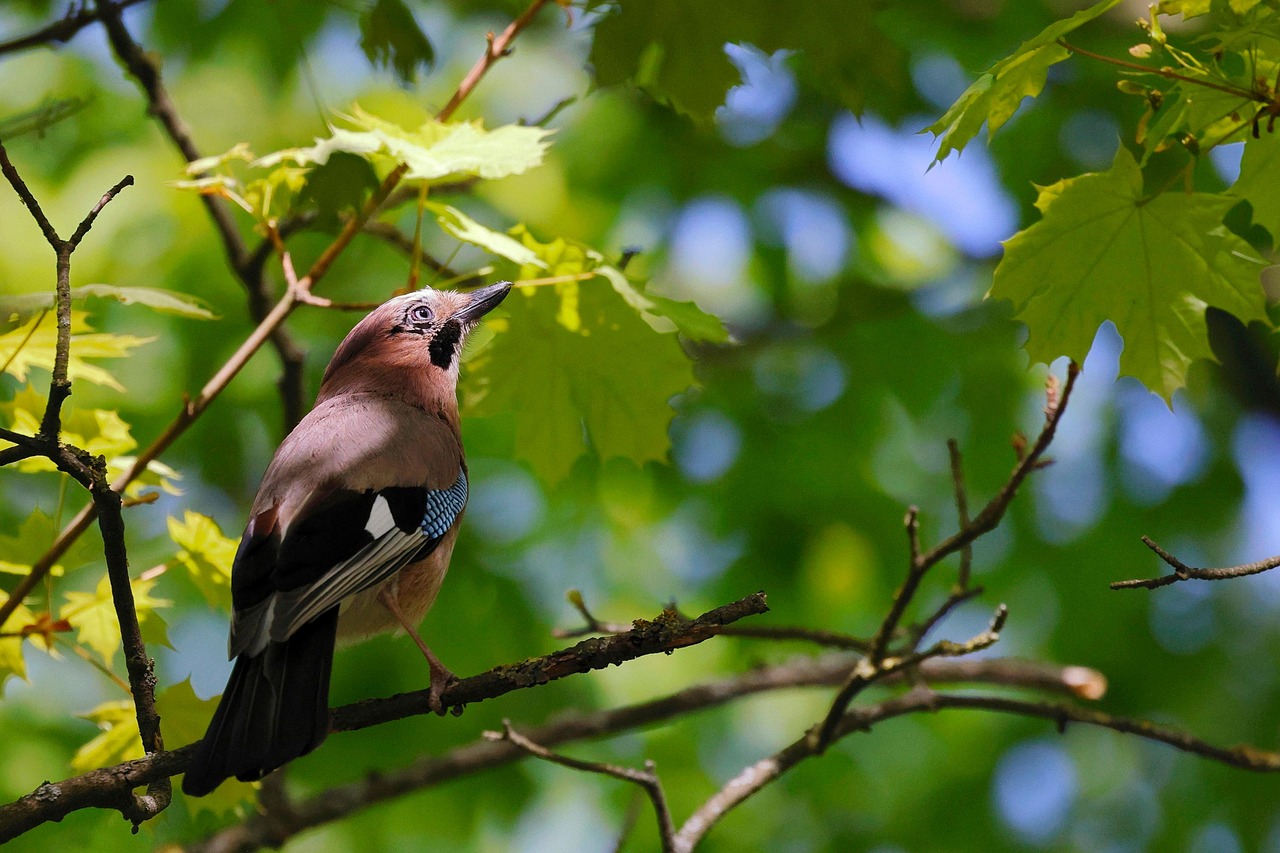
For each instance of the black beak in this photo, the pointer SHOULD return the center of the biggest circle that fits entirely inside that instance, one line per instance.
(483, 301)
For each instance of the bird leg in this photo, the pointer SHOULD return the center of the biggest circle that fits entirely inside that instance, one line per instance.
(440, 674)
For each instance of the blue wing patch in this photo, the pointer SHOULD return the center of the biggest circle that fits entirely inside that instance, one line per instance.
(444, 507)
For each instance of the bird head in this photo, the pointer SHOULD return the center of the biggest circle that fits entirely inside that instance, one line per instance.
(416, 337)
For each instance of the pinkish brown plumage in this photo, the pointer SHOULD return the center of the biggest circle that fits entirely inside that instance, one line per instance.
(351, 531)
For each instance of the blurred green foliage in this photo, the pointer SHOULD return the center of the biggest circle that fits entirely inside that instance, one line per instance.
(613, 455)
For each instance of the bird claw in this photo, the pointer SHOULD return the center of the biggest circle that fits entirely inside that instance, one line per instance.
(440, 681)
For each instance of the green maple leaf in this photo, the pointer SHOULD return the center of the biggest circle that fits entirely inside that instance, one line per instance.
(1151, 265)
(994, 97)
(603, 385)
(674, 50)
(35, 535)
(206, 553)
(24, 348)
(1259, 177)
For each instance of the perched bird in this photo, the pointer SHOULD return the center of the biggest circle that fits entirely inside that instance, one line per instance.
(350, 533)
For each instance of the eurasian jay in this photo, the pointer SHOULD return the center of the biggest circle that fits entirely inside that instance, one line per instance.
(350, 533)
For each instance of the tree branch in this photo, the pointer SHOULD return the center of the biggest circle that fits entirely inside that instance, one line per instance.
(79, 15)
(342, 801)
(107, 787)
(1183, 572)
(646, 779)
(91, 473)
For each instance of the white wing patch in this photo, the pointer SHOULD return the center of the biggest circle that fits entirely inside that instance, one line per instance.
(380, 521)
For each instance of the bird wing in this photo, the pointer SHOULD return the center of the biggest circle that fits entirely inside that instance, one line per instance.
(347, 542)
(361, 488)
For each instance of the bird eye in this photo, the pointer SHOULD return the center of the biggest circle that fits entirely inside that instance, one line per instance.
(420, 314)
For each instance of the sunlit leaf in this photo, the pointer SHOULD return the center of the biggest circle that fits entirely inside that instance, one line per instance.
(93, 615)
(434, 151)
(36, 533)
(22, 308)
(206, 553)
(1104, 251)
(11, 660)
(38, 351)
(457, 224)
(119, 740)
(561, 257)
(995, 96)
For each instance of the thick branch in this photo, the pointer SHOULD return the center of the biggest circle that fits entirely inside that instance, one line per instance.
(666, 634)
(1183, 572)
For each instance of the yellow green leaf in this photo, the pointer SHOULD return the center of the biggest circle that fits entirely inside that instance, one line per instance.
(434, 151)
(22, 353)
(457, 224)
(186, 716)
(35, 535)
(206, 553)
(93, 615)
(21, 308)
(99, 431)
(119, 740)
(11, 661)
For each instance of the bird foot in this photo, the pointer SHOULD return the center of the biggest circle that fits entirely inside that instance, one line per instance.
(441, 679)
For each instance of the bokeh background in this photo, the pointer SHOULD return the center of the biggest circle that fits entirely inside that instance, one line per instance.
(852, 277)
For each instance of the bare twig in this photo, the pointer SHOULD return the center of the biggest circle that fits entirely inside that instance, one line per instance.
(647, 779)
(829, 639)
(1183, 572)
(497, 48)
(79, 15)
(984, 522)
(962, 511)
(91, 473)
(756, 777)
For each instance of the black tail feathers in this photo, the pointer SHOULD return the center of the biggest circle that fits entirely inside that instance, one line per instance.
(275, 709)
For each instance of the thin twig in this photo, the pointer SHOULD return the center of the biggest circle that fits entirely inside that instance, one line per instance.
(962, 511)
(79, 15)
(1167, 73)
(759, 775)
(647, 779)
(868, 671)
(1183, 572)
